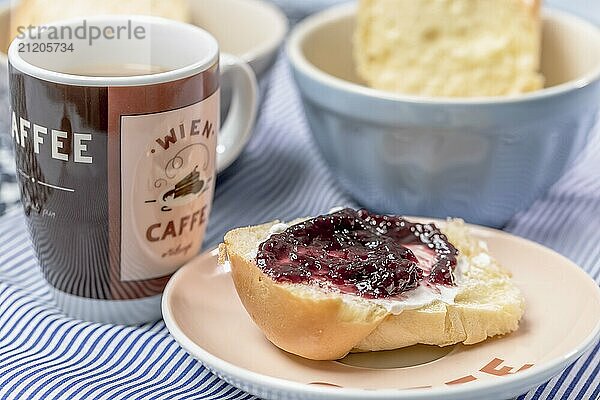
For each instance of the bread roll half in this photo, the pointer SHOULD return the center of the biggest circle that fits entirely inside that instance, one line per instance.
(325, 325)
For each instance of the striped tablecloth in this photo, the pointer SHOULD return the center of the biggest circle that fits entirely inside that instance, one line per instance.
(43, 354)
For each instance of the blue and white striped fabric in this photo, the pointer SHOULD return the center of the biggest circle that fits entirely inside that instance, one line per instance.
(43, 354)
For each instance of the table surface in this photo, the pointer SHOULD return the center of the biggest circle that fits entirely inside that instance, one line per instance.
(44, 354)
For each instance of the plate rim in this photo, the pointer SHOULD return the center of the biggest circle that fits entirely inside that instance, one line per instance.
(522, 380)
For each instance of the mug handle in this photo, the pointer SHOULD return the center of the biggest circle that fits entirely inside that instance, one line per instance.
(238, 125)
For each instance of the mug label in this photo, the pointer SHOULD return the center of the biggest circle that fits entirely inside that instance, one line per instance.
(167, 183)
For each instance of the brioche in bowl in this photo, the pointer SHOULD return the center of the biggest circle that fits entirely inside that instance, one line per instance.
(449, 48)
(479, 158)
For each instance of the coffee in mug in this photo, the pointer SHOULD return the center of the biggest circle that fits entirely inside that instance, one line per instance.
(116, 152)
(115, 70)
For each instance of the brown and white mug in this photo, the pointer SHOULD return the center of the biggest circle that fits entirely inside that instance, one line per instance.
(116, 172)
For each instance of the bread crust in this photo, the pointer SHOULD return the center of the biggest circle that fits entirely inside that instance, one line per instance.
(315, 328)
(535, 6)
(326, 326)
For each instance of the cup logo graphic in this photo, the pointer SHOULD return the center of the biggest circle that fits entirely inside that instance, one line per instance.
(191, 185)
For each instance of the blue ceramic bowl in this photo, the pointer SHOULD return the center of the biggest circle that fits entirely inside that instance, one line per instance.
(482, 159)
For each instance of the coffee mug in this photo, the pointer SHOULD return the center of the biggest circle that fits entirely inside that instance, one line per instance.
(115, 123)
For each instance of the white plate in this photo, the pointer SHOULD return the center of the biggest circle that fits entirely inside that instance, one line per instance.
(562, 320)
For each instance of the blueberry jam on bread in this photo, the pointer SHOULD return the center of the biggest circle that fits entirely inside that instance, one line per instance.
(374, 256)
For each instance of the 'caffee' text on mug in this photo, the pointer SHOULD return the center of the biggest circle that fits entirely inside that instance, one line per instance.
(23, 130)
